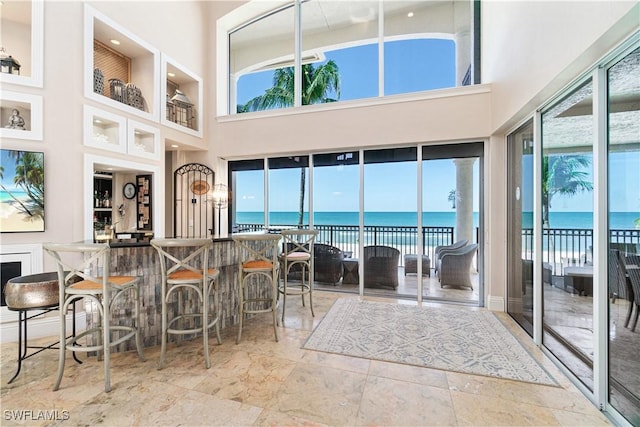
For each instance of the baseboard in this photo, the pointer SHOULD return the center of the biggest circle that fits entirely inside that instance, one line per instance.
(495, 303)
(41, 327)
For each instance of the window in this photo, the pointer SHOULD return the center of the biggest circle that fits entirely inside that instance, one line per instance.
(350, 50)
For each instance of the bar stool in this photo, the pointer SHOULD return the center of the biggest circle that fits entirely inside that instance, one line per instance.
(77, 280)
(184, 264)
(258, 255)
(297, 254)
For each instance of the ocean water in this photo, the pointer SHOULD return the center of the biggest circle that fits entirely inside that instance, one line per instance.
(4, 196)
(618, 220)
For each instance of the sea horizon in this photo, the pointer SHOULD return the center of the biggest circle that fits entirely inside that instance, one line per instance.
(581, 220)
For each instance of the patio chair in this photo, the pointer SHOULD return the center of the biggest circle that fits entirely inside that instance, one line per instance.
(445, 248)
(327, 262)
(454, 266)
(381, 266)
(632, 267)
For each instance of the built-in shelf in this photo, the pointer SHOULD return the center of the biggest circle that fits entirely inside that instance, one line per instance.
(20, 115)
(143, 140)
(139, 95)
(22, 38)
(180, 110)
(105, 130)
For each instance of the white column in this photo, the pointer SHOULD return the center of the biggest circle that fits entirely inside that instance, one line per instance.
(464, 199)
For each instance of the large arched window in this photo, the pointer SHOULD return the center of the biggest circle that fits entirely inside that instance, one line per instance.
(320, 51)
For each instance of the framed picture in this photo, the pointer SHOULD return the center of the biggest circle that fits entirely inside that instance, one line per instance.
(21, 191)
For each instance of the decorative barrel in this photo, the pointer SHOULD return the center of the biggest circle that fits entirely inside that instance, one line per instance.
(32, 291)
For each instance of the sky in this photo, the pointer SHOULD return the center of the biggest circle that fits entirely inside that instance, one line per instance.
(411, 65)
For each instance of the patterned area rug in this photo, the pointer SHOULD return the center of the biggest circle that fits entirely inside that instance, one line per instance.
(468, 341)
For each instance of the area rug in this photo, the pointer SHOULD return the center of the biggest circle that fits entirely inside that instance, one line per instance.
(461, 340)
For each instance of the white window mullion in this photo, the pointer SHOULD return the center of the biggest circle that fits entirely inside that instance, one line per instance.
(600, 238)
(361, 223)
(266, 192)
(297, 54)
(537, 228)
(419, 235)
(381, 48)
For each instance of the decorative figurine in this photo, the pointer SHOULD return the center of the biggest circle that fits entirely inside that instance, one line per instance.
(15, 121)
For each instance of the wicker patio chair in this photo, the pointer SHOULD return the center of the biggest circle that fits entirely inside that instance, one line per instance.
(381, 266)
(446, 248)
(454, 266)
(632, 267)
(327, 262)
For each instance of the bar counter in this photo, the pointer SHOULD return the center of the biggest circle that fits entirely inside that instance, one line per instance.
(141, 259)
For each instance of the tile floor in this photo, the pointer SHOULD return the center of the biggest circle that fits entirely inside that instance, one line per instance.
(261, 382)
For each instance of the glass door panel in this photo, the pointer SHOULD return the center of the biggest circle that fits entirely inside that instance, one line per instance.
(288, 192)
(624, 235)
(390, 221)
(336, 207)
(567, 213)
(246, 210)
(451, 220)
(520, 227)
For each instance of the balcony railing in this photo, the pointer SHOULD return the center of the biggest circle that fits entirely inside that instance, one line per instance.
(561, 246)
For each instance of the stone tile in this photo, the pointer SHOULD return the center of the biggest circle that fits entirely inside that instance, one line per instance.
(338, 361)
(330, 396)
(391, 402)
(198, 409)
(472, 410)
(269, 418)
(413, 374)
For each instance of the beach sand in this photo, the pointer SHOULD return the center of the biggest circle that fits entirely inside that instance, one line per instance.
(11, 219)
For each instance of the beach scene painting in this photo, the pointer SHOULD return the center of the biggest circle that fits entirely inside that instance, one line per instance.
(21, 191)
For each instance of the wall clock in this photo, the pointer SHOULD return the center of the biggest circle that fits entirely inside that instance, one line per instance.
(129, 190)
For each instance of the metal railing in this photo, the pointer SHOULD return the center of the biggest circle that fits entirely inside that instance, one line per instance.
(561, 246)
(346, 237)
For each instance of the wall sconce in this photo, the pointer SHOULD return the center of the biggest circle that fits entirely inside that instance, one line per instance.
(8, 64)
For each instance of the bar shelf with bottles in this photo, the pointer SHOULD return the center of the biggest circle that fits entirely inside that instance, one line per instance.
(102, 205)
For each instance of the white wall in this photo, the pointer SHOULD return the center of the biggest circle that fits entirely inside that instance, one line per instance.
(532, 49)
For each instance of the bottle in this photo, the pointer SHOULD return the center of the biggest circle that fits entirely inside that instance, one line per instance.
(96, 199)
(107, 200)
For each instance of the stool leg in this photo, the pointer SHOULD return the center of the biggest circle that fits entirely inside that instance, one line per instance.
(73, 330)
(163, 339)
(106, 337)
(216, 303)
(63, 345)
(274, 302)
(310, 290)
(22, 322)
(284, 289)
(240, 306)
(137, 313)
(205, 322)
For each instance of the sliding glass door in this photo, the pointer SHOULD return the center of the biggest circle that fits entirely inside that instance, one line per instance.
(390, 220)
(451, 216)
(520, 227)
(623, 81)
(567, 214)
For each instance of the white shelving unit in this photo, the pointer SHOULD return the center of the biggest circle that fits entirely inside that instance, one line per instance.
(144, 64)
(22, 37)
(175, 75)
(29, 108)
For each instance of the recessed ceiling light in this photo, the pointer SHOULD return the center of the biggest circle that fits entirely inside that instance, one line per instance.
(410, 14)
(171, 74)
(97, 121)
(114, 41)
(174, 146)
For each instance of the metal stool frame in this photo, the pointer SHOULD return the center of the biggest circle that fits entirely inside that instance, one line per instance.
(76, 281)
(190, 272)
(297, 251)
(258, 255)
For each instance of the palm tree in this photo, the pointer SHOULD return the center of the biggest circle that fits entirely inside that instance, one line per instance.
(563, 175)
(317, 84)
